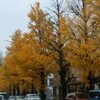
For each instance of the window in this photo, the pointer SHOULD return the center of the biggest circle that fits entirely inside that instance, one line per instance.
(50, 82)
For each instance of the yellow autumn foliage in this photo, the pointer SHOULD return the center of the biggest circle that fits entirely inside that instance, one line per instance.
(84, 48)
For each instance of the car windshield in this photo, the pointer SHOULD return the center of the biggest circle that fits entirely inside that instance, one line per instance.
(81, 95)
(94, 94)
(33, 96)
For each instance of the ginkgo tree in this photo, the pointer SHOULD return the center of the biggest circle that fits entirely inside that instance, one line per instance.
(18, 77)
(27, 63)
(35, 61)
(13, 71)
(52, 29)
(40, 26)
(85, 47)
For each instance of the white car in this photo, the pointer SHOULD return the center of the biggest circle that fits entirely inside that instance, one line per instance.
(11, 97)
(32, 97)
(20, 97)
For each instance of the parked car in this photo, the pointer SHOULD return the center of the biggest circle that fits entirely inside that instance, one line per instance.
(20, 97)
(32, 97)
(11, 97)
(77, 96)
(94, 95)
(3, 96)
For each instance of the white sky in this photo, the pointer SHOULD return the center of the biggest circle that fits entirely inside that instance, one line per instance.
(13, 16)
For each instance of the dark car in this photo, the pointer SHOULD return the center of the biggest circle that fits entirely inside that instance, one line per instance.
(77, 96)
(94, 95)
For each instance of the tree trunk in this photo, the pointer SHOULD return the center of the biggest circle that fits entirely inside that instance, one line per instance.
(63, 66)
(42, 95)
(90, 81)
(42, 90)
(63, 87)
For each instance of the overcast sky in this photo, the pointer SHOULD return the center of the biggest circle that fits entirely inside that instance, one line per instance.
(13, 16)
